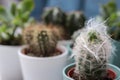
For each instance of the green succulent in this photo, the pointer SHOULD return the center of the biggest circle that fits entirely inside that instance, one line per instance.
(11, 20)
(111, 14)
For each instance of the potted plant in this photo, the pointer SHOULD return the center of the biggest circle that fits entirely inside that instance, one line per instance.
(92, 50)
(111, 14)
(43, 58)
(69, 22)
(11, 23)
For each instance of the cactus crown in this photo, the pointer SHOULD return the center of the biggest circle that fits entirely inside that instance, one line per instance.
(41, 40)
(93, 36)
(92, 50)
(54, 15)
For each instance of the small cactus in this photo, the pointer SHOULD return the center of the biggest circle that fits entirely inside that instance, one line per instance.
(42, 41)
(75, 21)
(69, 22)
(56, 18)
(54, 15)
(92, 50)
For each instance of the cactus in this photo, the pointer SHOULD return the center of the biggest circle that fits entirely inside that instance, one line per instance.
(41, 40)
(75, 21)
(69, 22)
(54, 15)
(92, 50)
(56, 18)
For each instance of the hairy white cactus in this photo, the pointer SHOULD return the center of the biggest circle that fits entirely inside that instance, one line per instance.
(92, 50)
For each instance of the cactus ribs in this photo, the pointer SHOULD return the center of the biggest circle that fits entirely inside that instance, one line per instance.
(42, 41)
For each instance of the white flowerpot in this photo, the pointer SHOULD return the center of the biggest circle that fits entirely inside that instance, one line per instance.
(65, 42)
(9, 63)
(44, 68)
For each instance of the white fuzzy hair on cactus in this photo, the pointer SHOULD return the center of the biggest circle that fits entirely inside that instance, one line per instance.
(100, 50)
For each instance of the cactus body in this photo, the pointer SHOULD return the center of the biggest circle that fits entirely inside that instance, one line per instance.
(69, 22)
(92, 50)
(54, 15)
(41, 40)
(75, 21)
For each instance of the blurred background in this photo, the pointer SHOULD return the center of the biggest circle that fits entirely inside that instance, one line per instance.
(89, 7)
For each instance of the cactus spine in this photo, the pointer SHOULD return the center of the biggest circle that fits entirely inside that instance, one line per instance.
(92, 50)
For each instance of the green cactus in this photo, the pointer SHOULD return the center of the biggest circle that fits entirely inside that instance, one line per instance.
(75, 21)
(54, 15)
(92, 50)
(41, 40)
(69, 22)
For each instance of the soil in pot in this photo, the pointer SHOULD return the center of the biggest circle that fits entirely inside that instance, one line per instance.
(110, 75)
(30, 52)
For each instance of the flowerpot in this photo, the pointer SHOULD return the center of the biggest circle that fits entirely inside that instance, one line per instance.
(68, 44)
(9, 63)
(65, 42)
(116, 58)
(113, 70)
(43, 68)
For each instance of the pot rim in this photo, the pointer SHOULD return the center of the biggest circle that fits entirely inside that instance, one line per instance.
(60, 47)
(72, 64)
(10, 45)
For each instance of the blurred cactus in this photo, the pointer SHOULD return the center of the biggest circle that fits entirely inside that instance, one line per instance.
(11, 20)
(92, 50)
(54, 15)
(56, 18)
(41, 40)
(75, 21)
(110, 13)
(69, 22)
(59, 30)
